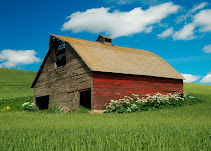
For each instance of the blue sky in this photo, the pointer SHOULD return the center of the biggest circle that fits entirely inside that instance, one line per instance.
(178, 31)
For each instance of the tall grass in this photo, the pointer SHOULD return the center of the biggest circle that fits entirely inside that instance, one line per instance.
(154, 130)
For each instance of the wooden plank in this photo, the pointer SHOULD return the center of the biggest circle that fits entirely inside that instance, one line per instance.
(107, 86)
(60, 82)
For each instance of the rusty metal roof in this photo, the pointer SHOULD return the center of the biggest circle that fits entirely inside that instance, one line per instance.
(116, 59)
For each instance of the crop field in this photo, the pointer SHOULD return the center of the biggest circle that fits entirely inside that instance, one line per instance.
(180, 128)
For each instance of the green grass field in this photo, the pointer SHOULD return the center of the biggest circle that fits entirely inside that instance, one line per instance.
(15, 83)
(181, 128)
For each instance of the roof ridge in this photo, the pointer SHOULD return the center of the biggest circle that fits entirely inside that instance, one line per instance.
(98, 42)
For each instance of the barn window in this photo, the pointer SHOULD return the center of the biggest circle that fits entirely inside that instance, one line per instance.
(61, 61)
(85, 98)
(107, 40)
(42, 102)
(60, 53)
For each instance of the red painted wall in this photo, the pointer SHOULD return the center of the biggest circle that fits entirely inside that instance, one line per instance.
(107, 86)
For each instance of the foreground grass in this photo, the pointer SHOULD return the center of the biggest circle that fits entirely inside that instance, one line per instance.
(170, 129)
(182, 128)
(15, 83)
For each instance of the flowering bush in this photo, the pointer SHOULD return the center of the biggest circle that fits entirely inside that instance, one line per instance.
(148, 102)
(27, 106)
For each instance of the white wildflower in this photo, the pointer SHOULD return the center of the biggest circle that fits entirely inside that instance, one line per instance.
(133, 106)
(139, 100)
(144, 101)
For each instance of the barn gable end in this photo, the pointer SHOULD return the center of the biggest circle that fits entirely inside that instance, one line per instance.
(62, 84)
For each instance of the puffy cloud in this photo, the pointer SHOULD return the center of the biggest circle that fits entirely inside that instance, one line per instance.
(117, 23)
(206, 79)
(168, 32)
(189, 78)
(186, 33)
(207, 48)
(12, 58)
(201, 20)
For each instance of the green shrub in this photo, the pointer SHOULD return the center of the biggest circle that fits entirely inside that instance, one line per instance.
(148, 102)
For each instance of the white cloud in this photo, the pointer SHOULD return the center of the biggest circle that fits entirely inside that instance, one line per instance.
(168, 32)
(207, 48)
(201, 20)
(148, 29)
(12, 58)
(198, 7)
(207, 78)
(189, 78)
(186, 33)
(117, 23)
(191, 11)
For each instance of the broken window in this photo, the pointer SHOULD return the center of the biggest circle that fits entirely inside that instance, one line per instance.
(59, 47)
(60, 53)
(61, 61)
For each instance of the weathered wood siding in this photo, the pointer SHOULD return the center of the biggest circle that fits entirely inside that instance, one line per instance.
(107, 86)
(63, 84)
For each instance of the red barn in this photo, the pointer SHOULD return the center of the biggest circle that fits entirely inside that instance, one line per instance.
(79, 72)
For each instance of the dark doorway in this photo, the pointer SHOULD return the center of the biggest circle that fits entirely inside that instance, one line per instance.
(85, 99)
(42, 102)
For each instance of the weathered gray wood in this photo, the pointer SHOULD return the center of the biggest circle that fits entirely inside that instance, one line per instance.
(63, 84)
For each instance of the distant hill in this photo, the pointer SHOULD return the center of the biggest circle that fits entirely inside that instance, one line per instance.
(15, 83)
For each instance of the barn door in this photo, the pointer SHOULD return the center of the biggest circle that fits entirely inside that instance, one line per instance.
(85, 98)
(42, 102)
